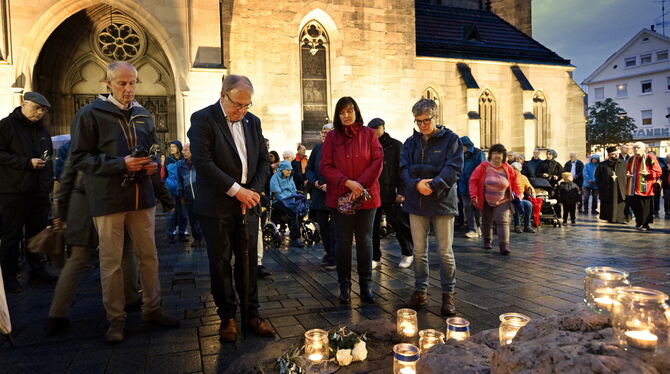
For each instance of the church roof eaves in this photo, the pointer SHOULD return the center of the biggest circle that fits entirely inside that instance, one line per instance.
(439, 33)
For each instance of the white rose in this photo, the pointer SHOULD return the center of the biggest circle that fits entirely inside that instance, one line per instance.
(360, 352)
(344, 357)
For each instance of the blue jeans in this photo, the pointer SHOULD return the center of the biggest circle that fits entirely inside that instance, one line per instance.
(178, 221)
(444, 232)
(524, 207)
(359, 224)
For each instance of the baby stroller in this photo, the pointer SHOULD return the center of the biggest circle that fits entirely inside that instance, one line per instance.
(274, 229)
(545, 192)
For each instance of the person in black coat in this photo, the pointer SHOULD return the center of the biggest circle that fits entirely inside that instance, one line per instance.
(575, 167)
(392, 196)
(317, 187)
(27, 180)
(611, 181)
(665, 184)
(569, 195)
(231, 161)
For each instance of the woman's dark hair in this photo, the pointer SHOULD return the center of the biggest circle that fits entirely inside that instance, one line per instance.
(500, 149)
(275, 155)
(339, 107)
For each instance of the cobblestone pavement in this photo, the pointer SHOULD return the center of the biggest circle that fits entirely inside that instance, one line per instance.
(543, 275)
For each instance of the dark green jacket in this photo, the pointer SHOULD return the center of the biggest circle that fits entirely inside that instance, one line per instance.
(101, 137)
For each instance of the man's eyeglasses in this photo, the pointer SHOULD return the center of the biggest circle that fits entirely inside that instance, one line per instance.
(427, 121)
(238, 105)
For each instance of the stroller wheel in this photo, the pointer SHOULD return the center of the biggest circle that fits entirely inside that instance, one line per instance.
(383, 231)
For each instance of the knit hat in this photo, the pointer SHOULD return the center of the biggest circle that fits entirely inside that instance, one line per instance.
(178, 144)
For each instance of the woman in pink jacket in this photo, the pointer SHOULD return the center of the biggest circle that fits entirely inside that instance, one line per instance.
(643, 171)
(352, 161)
(493, 186)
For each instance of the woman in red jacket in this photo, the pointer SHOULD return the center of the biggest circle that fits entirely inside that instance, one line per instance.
(643, 170)
(493, 186)
(352, 161)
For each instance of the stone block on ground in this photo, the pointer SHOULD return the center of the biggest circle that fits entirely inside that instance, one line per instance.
(463, 357)
(487, 337)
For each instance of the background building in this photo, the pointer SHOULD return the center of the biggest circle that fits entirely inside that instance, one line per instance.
(637, 77)
(475, 57)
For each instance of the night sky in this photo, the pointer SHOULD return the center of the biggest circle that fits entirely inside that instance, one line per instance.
(588, 31)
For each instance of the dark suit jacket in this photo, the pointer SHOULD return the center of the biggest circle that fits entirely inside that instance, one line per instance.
(218, 164)
(579, 167)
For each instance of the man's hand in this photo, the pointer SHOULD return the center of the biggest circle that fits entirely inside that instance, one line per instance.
(355, 187)
(247, 198)
(151, 168)
(37, 163)
(135, 163)
(545, 175)
(423, 187)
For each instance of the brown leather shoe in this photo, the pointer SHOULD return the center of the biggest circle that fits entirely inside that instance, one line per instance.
(419, 299)
(448, 307)
(261, 327)
(228, 330)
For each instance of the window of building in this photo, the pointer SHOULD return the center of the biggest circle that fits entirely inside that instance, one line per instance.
(646, 117)
(645, 59)
(542, 117)
(599, 93)
(489, 118)
(646, 86)
(668, 117)
(431, 94)
(644, 39)
(314, 47)
(630, 61)
(622, 90)
(662, 55)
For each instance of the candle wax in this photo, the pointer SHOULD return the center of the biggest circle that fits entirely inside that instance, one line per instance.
(407, 328)
(641, 339)
(458, 335)
(316, 357)
(604, 302)
(407, 370)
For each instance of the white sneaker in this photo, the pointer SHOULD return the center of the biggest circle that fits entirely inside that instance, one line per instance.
(406, 262)
(471, 234)
(375, 264)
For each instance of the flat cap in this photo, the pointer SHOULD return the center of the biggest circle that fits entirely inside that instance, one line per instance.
(376, 122)
(37, 98)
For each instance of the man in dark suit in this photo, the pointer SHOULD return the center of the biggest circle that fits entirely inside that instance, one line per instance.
(232, 162)
(576, 167)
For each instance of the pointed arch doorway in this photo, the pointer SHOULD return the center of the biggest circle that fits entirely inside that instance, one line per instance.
(71, 67)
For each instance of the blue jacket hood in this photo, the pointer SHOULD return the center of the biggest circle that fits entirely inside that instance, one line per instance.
(467, 142)
(284, 165)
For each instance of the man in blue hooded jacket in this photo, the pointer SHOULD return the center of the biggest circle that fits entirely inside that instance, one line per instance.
(472, 157)
(590, 185)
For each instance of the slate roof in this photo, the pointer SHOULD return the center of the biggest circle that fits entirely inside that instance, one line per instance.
(449, 32)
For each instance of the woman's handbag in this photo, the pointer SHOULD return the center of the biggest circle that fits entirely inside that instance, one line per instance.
(49, 242)
(346, 204)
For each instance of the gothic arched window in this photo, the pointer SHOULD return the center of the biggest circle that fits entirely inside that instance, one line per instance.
(542, 120)
(488, 128)
(430, 93)
(314, 45)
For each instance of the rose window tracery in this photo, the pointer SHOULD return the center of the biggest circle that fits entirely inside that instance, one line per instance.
(119, 41)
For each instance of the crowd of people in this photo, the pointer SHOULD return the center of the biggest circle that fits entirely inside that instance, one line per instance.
(217, 183)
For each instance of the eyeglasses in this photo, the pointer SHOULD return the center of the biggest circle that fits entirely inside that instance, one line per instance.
(421, 122)
(238, 105)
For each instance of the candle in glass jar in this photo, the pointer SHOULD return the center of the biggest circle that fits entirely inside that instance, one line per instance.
(407, 370)
(458, 328)
(405, 357)
(407, 323)
(642, 339)
(315, 357)
(407, 328)
(604, 302)
(429, 338)
(316, 345)
(510, 324)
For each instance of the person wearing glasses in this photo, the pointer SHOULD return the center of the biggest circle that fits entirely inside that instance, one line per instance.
(431, 162)
(24, 192)
(231, 159)
(351, 162)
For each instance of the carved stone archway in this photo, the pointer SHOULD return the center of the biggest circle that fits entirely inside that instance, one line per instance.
(71, 67)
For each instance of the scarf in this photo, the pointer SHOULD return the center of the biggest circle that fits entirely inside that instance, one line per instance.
(351, 131)
(637, 181)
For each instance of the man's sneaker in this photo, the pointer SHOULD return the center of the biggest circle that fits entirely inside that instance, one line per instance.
(406, 262)
(330, 266)
(376, 264)
(115, 332)
(471, 234)
(12, 285)
(529, 229)
(159, 318)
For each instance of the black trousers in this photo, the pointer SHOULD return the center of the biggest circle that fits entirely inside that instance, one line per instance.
(223, 236)
(360, 225)
(569, 209)
(323, 218)
(403, 233)
(21, 216)
(641, 206)
(196, 231)
(293, 219)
